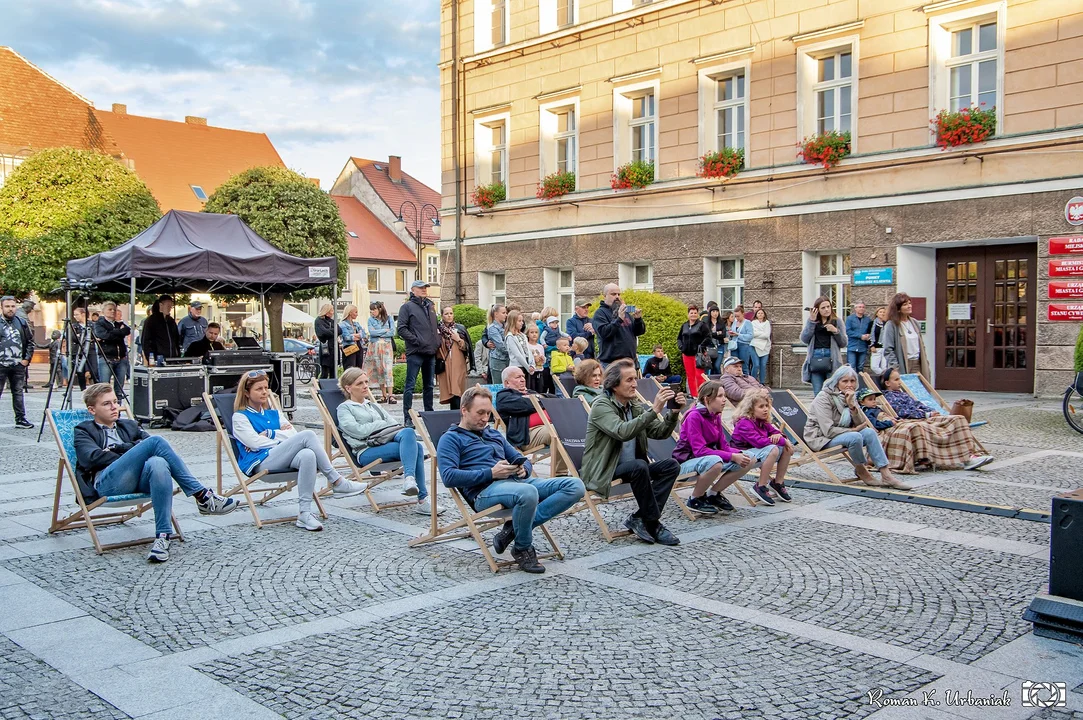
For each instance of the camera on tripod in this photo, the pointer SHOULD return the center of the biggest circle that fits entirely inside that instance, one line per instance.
(67, 284)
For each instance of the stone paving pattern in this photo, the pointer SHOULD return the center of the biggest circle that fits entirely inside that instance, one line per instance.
(1008, 528)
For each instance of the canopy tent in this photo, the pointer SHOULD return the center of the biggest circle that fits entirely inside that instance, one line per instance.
(290, 316)
(201, 252)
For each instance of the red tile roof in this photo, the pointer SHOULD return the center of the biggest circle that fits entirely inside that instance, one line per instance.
(38, 111)
(393, 194)
(171, 156)
(374, 241)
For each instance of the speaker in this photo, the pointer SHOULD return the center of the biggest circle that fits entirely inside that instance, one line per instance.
(1066, 547)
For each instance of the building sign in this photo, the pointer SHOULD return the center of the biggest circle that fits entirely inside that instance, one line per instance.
(1066, 245)
(1066, 268)
(320, 271)
(874, 276)
(1070, 313)
(1065, 289)
(958, 311)
(1073, 211)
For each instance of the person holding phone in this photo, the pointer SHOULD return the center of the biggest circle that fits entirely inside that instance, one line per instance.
(617, 326)
(826, 342)
(487, 470)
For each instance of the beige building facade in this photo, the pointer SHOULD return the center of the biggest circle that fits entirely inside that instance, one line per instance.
(587, 86)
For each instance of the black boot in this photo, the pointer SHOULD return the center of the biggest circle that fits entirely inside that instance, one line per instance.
(528, 560)
(503, 538)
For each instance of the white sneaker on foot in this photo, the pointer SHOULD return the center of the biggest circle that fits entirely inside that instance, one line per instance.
(347, 488)
(308, 521)
(425, 508)
(409, 485)
(978, 461)
(159, 551)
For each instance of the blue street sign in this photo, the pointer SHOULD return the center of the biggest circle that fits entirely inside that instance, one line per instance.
(874, 276)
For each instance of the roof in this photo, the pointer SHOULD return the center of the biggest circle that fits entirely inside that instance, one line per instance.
(37, 111)
(172, 156)
(394, 194)
(374, 241)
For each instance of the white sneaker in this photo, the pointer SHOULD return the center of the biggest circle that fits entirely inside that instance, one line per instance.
(409, 485)
(308, 521)
(425, 508)
(159, 551)
(347, 488)
(978, 461)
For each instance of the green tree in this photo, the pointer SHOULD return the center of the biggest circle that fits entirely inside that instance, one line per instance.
(469, 315)
(291, 213)
(62, 204)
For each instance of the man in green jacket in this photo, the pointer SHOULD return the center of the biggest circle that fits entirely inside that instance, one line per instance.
(617, 434)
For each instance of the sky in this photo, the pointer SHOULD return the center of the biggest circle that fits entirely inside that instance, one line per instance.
(325, 79)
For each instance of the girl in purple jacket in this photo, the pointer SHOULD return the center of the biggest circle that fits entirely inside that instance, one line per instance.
(756, 436)
(703, 450)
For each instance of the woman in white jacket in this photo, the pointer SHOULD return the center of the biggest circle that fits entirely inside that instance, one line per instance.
(761, 345)
(265, 438)
(364, 425)
(515, 339)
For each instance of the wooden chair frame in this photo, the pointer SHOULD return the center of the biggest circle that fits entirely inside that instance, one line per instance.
(945, 408)
(473, 522)
(338, 452)
(806, 454)
(534, 453)
(84, 517)
(284, 481)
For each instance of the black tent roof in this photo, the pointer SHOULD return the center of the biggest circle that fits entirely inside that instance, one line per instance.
(202, 252)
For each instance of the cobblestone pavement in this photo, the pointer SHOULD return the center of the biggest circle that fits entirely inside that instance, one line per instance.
(796, 611)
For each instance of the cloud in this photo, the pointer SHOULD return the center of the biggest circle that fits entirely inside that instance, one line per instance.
(325, 79)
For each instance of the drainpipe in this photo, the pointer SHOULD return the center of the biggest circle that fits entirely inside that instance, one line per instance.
(455, 147)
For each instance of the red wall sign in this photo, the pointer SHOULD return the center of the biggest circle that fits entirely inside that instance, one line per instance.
(1066, 268)
(1066, 245)
(1071, 313)
(1065, 289)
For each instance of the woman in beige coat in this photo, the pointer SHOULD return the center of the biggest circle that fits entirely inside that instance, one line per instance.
(454, 353)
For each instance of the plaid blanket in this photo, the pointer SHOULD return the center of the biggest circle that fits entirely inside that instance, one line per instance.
(946, 442)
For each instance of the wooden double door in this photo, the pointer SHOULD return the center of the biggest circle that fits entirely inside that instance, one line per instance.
(992, 349)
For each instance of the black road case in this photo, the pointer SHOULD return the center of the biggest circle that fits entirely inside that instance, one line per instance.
(156, 388)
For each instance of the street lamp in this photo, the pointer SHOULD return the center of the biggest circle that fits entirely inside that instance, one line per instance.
(427, 211)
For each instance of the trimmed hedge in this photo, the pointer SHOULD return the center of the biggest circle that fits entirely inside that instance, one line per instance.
(475, 331)
(398, 373)
(1079, 352)
(469, 315)
(663, 317)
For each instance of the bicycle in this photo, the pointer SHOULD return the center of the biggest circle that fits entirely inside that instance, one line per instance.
(1073, 404)
(307, 369)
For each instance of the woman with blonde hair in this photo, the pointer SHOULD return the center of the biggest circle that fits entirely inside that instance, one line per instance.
(351, 335)
(380, 358)
(517, 343)
(756, 436)
(325, 333)
(265, 438)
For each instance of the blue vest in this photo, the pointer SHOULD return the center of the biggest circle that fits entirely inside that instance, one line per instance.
(262, 420)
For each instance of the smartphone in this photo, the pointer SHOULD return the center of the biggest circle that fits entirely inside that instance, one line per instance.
(518, 462)
(631, 309)
(672, 404)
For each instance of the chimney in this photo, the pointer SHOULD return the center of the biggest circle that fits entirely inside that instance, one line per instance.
(193, 120)
(120, 109)
(394, 168)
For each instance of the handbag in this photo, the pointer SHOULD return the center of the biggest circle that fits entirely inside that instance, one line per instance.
(963, 407)
(349, 350)
(878, 362)
(821, 364)
(384, 436)
(703, 360)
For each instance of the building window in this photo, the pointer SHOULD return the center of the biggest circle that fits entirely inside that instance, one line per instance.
(635, 123)
(565, 140)
(500, 289)
(559, 291)
(491, 150)
(498, 152)
(833, 281)
(432, 269)
(492, 289)
(491, 23)
(374, 279)
(559, 137)
(730, 282)
(199, 193)
(730, 105)
(556, 15)
(499, 22)
(833, 92)
(401, 280)
(642, 126)
(565, 13)
(635, 276)
(966, 59)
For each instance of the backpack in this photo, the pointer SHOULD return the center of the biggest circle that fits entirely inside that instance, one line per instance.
(193, 419)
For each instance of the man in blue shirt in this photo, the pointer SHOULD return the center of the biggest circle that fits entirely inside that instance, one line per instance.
(579, 325)
(487, 470)
(858, 335)
(192, 326)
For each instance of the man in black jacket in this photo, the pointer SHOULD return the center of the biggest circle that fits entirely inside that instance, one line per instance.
(617, 329)
(160, 335)
(111, 334)
(419, 328)
(117, 457)
(16, 349)
(524, 427)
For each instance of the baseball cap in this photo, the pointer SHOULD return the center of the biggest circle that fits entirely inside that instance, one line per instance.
(552, 318)
(418, 283)
(583, 303)
(867, 392)
(731, 361)
(196, 304)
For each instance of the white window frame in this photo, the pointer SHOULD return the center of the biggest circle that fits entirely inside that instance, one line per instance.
(808, 57)
(713, 283)
(549, 16)
(622, 125)
(940, 60)
(548, 136)
(709, 105)
(622, 5)
(368, 279)
(843, 282)
(483, 148)
(483, 28)
(402, 277)
(432, 269)
(626, 275)
(556, 292)
(488, 292)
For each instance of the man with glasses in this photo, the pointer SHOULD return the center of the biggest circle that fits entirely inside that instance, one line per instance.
(617, 328)
(118, 457)
(16, 349)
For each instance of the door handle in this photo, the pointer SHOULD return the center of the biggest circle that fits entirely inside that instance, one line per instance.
(988, 325)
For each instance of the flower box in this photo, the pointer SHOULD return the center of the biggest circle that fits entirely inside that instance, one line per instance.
(555, 185)
(825, 149)
(727, 162)
(486, 196)
(634, 175)
(964, 127)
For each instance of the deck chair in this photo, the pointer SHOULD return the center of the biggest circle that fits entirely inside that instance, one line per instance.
(662, 449)
(267, 485)
(792, 417)
(565, 383)
(430, 427)
(114, 509)
(328, 397)
(567, 422)
(534, 453)
(648, 388)
(642, 362)
(922, 390)
(864, 380)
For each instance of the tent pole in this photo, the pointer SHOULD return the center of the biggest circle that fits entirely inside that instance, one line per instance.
(263, 318)
(334, 341)
(131, 349)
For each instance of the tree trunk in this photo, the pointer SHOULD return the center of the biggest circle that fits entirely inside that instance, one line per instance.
(274, 320)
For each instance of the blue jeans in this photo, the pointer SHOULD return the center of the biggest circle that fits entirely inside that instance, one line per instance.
(856, 359)
(855, 440)
(427, 365)
(406, 448)
(117, 371)
(818, 379)
(759, 366)
(150, 467)
(716, 364)
(533, 502)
